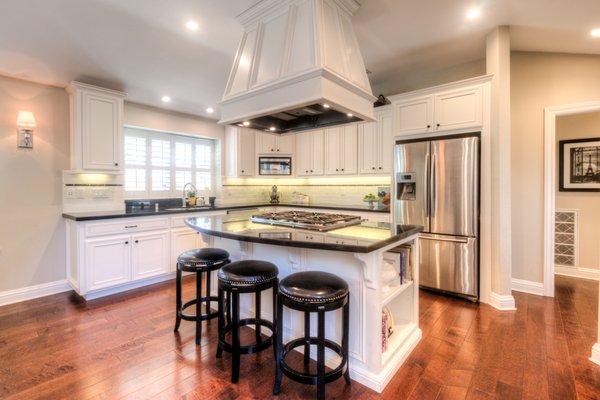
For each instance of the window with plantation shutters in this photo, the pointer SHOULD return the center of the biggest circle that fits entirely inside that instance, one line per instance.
(159, 164)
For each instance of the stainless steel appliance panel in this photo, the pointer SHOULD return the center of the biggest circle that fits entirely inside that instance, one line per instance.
(454, 186)
(412, 208)
(449, 263)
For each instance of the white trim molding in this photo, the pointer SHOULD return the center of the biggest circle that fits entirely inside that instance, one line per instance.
(524, 286)
(502, 302)
(550, 175)
(33, 292)
(595, 357)
(578, 272)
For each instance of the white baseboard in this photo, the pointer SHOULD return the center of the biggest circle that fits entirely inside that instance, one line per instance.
(521, 285)
(33, 292)
(595, 358)
(502, 302)
(578, 272)
(128, 286)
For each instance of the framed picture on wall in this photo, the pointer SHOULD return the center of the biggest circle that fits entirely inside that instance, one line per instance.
(579, 165)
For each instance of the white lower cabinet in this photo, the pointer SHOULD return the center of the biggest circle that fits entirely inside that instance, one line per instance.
(182, 240)
(107, 261)
(149, 254)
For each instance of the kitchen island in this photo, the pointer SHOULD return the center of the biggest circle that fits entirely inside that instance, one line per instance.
(365, 255)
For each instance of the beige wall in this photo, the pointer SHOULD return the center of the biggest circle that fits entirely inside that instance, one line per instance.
(582, 126)
(32, 231)
(539, 80)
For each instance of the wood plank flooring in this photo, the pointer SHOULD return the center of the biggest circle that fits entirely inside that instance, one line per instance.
(60, 347)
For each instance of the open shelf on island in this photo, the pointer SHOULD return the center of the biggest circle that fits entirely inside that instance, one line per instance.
(395, 291)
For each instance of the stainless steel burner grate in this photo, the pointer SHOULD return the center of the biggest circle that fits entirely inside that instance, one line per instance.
(307, 220)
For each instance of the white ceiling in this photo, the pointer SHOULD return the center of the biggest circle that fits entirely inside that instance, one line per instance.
(142, 47)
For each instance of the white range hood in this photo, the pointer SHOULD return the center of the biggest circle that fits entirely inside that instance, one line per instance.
(295, 57)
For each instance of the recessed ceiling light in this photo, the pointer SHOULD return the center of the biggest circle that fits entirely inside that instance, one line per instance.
(595, 32)
(165, 99)
(192, 25)
(246, 123)
(272, 129)
(350, 115)
(210, 110)
(325, 105)
(473, 13)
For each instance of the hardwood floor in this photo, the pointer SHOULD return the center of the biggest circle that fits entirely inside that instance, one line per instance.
(59, 347)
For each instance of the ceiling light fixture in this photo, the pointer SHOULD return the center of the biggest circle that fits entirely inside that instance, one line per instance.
(165, 99)
(246, 123)
(595, 32)
(473, 13)
(192, 25)
(272, 129)
(350, 115)
(210, 110)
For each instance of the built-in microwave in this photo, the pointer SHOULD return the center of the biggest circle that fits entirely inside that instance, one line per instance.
(275, 166)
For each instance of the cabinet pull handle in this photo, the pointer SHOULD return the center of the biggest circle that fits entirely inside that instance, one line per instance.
(130, 226)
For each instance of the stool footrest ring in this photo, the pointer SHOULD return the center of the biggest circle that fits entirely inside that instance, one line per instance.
(311, 379)
(251, 348)
(194, 317)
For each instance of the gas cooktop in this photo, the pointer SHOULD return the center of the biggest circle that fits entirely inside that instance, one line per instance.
(307, 220)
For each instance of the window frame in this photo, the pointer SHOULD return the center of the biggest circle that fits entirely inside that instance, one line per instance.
(173, 138)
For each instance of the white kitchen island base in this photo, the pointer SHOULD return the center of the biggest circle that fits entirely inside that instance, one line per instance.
(369, 365)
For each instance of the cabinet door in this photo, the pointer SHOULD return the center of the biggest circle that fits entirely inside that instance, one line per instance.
(413, 116)
(385, 135)
(285, 144)
(149, 254)
(349, 149)
(458, 109)
(245, 152)
(107, 261)
(183, 239)
(101, 131)
(303, 153)
(266, 143)
(333, 151)
(318, 153)
(368, 149)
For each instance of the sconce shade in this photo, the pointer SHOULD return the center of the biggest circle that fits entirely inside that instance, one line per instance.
(26, 119)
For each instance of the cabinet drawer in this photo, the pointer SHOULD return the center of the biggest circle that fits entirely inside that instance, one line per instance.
(309, 237)
(108, 228)
(346, 242)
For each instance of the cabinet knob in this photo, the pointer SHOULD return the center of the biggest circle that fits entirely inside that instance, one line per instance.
(127, 242)
(428, 126)
(306, 171)
(342, 169)
(336, 169)
(242, 171)
(277, 149)
(438, 125)
(380, 168)
(373, 168)
(137, 241)
(272, 150)
(116, 164)
(311, 170)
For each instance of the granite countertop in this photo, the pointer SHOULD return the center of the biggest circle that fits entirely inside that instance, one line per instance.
(98, 215)
(362, 238)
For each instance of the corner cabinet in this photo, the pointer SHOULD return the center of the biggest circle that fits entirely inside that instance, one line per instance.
(309, 159)
(376, 143)
(241, 156)
(96, 127)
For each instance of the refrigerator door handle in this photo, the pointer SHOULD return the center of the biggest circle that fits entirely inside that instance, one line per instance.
(426, 183)
(433, 185)
(441, 238)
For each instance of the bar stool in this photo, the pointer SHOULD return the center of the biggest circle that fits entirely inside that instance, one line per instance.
(247, 276)
(198, 261)
(312, 291)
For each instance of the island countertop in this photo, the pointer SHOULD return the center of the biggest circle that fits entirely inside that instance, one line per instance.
(366, 237)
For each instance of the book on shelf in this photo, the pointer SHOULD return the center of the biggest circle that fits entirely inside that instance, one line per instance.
(387, 327)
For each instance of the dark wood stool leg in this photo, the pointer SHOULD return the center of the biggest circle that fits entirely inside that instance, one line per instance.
(306, 337)
(345, 338)
(257, 313)
(235, 336)
(321, 355)
(228, 308)
(178, 301)
(207, 303)
(275, 319)
(198, 306)
(221, 325)
(278, 347)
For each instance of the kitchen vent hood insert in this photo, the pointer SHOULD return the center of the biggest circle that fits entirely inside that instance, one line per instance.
(298, 67)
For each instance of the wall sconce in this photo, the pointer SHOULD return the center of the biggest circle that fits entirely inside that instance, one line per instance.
(25, 125)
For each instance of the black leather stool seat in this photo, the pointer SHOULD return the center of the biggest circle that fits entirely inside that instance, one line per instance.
(313, 287)
(202, 258)
(248, 273)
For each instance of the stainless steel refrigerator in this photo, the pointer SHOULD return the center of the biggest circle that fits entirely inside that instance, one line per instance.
(437, 186)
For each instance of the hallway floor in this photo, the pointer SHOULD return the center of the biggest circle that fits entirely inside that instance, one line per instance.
(123, 347)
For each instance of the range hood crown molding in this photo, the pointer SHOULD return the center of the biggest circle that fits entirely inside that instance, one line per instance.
(295, 53)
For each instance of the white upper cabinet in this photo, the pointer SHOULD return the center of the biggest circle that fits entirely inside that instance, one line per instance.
(96, 127)
(269, 143)
(451, 107)
(376, 144)
(240, 154)
(309, 153)
(458, 109)
(341, 150)
(414, 116)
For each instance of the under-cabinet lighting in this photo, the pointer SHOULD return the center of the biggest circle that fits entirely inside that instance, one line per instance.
(350, 115)
(246, 123)
(272, 129)
(326, 105)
